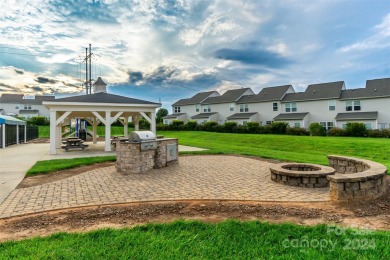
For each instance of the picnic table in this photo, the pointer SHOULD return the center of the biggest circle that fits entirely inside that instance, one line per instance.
(73, 143)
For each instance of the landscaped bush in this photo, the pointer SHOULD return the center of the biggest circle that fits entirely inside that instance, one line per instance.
(296, 131)
(229, 127)
(241, 129)
(253, 127)
(279, 128)
(378, 133)
(356, 129)
(38, 120)
(176, 125)
(337, 132)
(161, 127)
(316, 129)
(210, 126)
(144, 124)
(191, 125)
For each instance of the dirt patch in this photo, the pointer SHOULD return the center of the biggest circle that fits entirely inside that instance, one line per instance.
(31, 181)
(131, 214)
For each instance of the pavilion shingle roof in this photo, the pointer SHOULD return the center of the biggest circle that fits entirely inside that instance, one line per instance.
(228, 97)
(357, 116)
(331, 90)
(196, 99)
(290, 116)
(104, 98)
(266, 94)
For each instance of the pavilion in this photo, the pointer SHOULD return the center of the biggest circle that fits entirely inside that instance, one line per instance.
(100, 107)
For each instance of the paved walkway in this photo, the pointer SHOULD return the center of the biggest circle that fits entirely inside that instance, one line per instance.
(16, 160)
(195, 177)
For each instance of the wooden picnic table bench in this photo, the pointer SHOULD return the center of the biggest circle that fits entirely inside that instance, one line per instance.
(73, 143)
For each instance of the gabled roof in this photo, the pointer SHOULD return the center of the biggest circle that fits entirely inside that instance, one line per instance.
(329, 90)
(374, 88)
(228, 97)
(266, 94)
(203, 115)
(241, 115)
(196, 99)
(99, 81)
(11, 98)
(357, 116)
(173, 116)
(103, 98)
(290, 116)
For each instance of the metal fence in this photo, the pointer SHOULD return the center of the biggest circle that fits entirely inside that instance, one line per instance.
(10, 134)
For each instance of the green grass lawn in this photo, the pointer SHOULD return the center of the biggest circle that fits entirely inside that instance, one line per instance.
(42, 167)
(311, 149)
(197, 240)
(44, 131)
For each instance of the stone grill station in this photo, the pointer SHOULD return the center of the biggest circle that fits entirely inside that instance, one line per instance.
(143, 152)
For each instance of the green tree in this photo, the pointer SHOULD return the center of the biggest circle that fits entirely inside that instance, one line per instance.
(160, 114)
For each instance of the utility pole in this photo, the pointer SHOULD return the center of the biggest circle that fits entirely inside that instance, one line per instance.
(88, 80)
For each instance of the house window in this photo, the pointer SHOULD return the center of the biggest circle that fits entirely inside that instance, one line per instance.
(177, 109)
(275, 106)
(291, 107)
(368, 126)
(344, 126)
(206, 108)
(244, 122)
(244, 108)
(197, 108)
(332, 105)
(166, 122)
(382, 126)
(17, 107)
(353, 105)
(232, 107)
(27, 106)
(268, 122)
(327, 125)
(297, 124)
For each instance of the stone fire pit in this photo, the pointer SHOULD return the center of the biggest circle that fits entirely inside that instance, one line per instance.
(301, 174)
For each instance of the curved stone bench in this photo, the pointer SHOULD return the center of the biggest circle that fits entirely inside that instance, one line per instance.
(301, 174)
(356, 179)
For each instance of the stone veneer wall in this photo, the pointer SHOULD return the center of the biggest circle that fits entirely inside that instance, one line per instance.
(356, 179)
(130, 158)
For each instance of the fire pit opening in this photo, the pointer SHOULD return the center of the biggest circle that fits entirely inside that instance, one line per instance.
(301, 168)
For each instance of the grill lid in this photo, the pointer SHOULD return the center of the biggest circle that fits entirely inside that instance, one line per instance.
(139, 136)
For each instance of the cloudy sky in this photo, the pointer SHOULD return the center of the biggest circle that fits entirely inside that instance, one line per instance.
(154, 49)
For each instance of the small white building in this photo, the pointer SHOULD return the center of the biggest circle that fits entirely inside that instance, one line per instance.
(24, 106)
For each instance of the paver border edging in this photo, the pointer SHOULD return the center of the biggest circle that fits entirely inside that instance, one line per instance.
(356, 179)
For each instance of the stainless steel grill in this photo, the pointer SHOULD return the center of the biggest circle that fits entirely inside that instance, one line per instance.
(147, 139)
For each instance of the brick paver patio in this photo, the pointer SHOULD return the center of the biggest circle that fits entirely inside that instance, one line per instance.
(195, 177)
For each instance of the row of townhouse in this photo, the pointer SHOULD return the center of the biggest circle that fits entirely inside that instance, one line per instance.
(330, 104)
(24, 106)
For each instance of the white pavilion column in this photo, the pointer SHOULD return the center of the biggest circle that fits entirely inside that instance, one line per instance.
(153, 123)
(59, 136)
(17, 134)
(94, 128)
(25, 133)
(107, 147)
(3, 134)
(136, 123)
(53, 132)
(126, 127)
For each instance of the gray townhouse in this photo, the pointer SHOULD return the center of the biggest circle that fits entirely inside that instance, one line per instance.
(23, 106)
(330, 104)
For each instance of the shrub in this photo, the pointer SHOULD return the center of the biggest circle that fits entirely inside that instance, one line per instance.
(241, 129)
(378, 133)
(176, 125)
(356, 129)
(279, 128)
(337, 132)
(316, 129)
(296, 131)
(191, 125)
(38, 120)
(229, 127)
(253, 127)
(144, 124)
(161, 127)
(210, 126)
